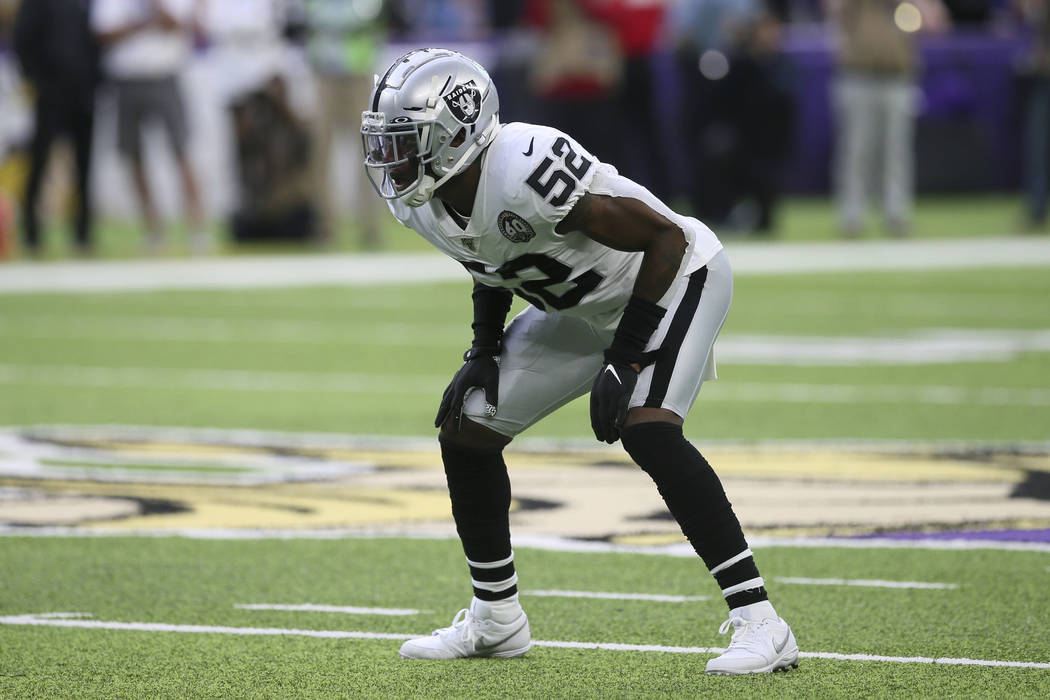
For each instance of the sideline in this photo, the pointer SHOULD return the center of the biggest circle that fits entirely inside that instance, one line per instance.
(365, 269)
(75, 620)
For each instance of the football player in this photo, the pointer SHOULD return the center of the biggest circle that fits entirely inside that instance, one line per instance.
(626, 299)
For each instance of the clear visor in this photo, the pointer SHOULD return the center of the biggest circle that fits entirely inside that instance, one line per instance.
(393, 154)
(392, 148)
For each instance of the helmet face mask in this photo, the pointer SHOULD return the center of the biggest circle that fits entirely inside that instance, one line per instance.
(432, 113)
(397, 155)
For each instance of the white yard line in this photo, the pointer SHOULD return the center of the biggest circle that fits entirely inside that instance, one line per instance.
(75, 620)
(189, 329)
(413, 268)
(222, 380)
(868, 583)
(427, 384)
(231, 273)
(685, 550)
(875, 393)
(654, 597)
(344, 609)
(241, 437)
(923, 346)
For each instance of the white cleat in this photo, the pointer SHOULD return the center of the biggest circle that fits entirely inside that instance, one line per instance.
(472, 636)
(761, 643)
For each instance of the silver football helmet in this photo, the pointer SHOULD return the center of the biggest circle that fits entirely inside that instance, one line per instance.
(429, 117)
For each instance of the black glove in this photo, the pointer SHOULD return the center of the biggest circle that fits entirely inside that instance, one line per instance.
(481, 370)
(610, 394)
(614, 385)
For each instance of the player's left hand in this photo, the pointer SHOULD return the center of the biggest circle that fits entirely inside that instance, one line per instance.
(610, 394)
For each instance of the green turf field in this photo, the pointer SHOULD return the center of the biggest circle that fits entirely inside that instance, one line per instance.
(375, 360)
(989, 615)
(804, 362)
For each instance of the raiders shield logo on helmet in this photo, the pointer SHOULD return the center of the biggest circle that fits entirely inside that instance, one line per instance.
(465, 102)
(514, 228)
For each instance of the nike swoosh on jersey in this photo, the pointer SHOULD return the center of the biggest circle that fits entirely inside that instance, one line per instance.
(529, 151)
(610, 368)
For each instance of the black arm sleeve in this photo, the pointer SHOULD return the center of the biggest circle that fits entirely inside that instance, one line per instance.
(638, 323)
(491, 305)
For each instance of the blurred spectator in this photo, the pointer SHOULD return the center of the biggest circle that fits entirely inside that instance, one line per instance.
(708, 34)
(711, 25)
(797, 11)
(638, 25)
(246, 43)
(575, 74)
(13, 124)
(59, 57)
(258, 76)
(436, 21)
(505, 14)
(343, 38)
(146, 43)
(273, 159)
(1035, 74)
(875, 105)
(970, 11)
(750, 133)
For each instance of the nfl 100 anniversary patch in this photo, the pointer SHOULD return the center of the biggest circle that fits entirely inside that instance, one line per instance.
(514, 228)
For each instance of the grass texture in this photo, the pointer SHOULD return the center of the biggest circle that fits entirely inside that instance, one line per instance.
(995, 613)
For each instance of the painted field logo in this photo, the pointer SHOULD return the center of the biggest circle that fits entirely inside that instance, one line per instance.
(465, 102)
(514, 228)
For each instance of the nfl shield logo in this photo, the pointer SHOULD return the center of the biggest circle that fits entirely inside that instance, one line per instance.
(465, 102)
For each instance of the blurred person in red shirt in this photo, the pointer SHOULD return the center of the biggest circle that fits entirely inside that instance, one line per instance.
(639, 28)
(576, 72)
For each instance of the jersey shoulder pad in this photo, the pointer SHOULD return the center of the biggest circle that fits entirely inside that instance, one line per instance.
(541, 171)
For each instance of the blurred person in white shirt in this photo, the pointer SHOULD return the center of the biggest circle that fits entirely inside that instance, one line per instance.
(146, 43)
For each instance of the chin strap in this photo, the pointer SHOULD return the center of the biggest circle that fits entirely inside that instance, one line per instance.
(428, 185)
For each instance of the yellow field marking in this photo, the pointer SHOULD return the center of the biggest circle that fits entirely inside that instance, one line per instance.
(278, 506)
(180, 449)
(794, 490)
(859, 466)
(833, 464)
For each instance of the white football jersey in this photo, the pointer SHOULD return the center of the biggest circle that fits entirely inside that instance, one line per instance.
(531, 178)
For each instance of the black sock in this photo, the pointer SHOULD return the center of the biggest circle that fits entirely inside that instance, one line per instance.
(479, 488)
(739, 580)
(494, 580)
(694, 495)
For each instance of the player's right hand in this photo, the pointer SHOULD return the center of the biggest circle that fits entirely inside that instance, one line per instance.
(480, 371)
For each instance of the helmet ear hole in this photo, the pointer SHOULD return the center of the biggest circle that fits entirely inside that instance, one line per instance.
(459, 138)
